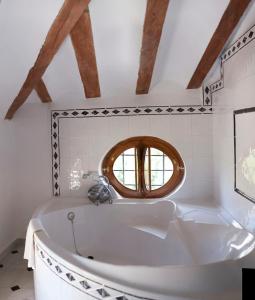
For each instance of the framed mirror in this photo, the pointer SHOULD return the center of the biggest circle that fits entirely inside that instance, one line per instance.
(244, 152)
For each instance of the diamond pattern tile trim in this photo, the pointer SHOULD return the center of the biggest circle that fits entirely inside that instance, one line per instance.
(87, 286)
(218, 85)
(207, 96)
(58, 269)
(240, 43)
(70, 277)
(103, 293)
(49, 262)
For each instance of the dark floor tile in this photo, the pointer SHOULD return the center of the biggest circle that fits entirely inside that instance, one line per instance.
(15, 288)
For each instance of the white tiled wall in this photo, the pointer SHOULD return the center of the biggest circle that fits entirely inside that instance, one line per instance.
(32, 166)
(84, 142)
(238, 92)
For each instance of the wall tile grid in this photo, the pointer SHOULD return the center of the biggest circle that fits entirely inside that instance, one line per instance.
(238, 93)
(80, 138)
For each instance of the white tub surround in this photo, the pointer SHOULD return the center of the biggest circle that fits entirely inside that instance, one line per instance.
(29, 253)
(140, 251)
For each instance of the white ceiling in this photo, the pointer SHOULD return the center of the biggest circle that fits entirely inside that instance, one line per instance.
(117, 27)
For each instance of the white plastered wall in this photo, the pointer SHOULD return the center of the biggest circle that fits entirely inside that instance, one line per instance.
(8, 181)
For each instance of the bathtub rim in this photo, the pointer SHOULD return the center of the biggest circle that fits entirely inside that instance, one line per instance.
(43, 210)
(57, 204)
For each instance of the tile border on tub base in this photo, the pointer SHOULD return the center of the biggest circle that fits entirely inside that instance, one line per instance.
(85, 285)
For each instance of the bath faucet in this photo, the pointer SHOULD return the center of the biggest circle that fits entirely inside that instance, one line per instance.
(100, 192)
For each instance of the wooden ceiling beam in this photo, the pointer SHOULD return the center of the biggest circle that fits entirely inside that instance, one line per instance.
(42, 92)
(67, 17)
(227, 24)
(82, 40)
(152, 30)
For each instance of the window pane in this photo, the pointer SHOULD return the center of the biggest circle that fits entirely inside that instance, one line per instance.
(130, 151)
(131, 186)
(157, 162)
(155, 151)
(167, 176)
(146, 170)
(146, 163)
(156, 177)
(161, 169)
(168, 163)
(118, 164)
(155, 187)
(119, 175)
(129, 177)
(129, 163)
(124, 168)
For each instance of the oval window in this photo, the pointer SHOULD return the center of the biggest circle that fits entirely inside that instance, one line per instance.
(143, 167)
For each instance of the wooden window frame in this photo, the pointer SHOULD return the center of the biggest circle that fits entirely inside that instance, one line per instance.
(141, 143)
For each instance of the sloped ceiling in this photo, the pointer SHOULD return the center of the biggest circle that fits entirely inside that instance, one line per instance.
(117, 27)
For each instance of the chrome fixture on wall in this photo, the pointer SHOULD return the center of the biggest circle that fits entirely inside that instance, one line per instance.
(101, 192)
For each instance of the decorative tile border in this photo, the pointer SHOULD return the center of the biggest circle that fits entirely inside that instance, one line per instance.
(130, 111)
(239, 44)
(56, 115)
(87, 286)
(207, 96)
(216, 86)
(243, 41)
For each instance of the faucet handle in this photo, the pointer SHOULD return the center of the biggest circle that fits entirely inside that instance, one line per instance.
(103, 178)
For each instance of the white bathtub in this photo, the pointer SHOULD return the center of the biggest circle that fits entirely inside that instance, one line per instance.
(141, 251)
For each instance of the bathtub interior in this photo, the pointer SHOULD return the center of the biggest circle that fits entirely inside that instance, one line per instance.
(93, 221)
(147, 234)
